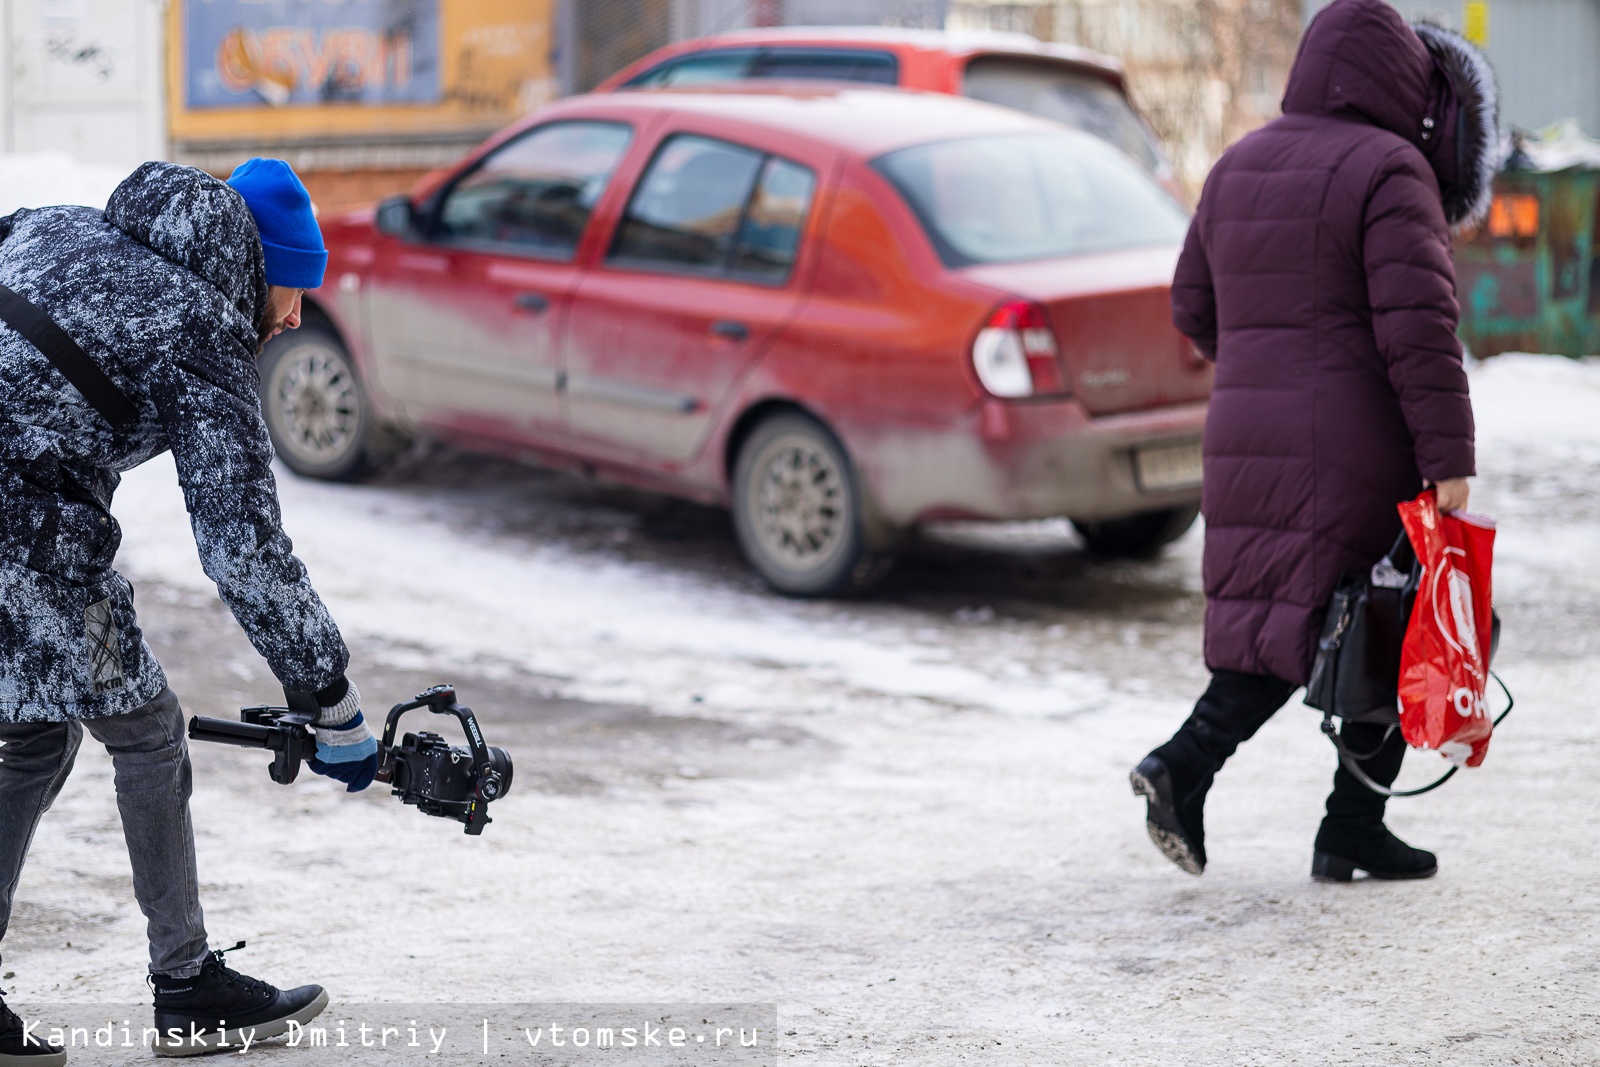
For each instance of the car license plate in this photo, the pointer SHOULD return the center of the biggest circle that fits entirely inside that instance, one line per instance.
(1168, 467)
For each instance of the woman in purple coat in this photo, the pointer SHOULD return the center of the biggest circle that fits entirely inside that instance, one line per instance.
(1317, 274)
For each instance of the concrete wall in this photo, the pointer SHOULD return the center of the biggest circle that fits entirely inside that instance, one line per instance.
(925, 14)
(1546, 54)
(600, 37)
(83, 77)
(696, 18)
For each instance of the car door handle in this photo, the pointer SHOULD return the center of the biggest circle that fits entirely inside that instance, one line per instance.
(533, 303)
(728, 328)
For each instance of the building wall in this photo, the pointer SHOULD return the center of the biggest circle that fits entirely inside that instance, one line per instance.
(600, 37)
(1546, 55)
(361, 97)
(82, 77)
(925, 14)
(697, 18)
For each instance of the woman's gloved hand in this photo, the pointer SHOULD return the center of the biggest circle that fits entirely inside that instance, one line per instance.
(346, 749)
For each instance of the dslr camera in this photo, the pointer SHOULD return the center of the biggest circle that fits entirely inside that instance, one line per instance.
(424, 769)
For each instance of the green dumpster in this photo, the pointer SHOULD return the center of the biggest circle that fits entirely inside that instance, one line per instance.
(1529, 280)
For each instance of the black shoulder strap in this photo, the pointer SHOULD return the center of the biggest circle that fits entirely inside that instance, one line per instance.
(62, 351)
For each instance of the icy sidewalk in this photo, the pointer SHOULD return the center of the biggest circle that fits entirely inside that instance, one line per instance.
(927, 854)
(637, 632)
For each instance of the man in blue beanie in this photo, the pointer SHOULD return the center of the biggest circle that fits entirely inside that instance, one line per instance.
(291, 240)
(124, 334)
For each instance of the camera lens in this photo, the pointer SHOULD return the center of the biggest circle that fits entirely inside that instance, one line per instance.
(500, 761)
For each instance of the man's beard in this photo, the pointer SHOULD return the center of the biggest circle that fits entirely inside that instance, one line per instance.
(268, 326)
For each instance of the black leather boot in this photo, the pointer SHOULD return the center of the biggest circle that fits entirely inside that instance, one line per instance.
(1175, 815)
(21, 1047)
(1176, 777)
(1352, 836)
(219, 1008)
(1382, 855)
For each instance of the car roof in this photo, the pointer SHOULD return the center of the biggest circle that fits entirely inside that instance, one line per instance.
(860, 120)
(951, 42)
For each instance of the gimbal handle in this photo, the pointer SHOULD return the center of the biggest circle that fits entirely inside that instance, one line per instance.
(285, 731)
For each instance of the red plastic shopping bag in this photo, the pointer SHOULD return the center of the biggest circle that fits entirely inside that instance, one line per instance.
(1444, 662)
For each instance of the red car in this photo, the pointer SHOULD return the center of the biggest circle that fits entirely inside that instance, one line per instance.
(1075, 86)
(841, 311)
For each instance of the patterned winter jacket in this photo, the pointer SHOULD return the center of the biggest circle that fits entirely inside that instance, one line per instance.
(163, 290)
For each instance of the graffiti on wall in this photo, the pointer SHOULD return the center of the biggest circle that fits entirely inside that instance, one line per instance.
(92, 57)
(249, 53)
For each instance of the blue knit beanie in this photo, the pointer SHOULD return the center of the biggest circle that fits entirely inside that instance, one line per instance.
(290, 237)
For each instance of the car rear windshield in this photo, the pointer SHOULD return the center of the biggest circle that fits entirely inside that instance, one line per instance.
(734, 64)
(1065, 94)
(1009, 198)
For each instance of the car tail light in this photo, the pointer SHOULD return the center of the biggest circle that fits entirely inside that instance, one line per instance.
(1015, 354)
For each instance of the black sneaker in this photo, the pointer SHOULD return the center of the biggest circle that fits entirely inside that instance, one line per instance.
(219, 1008)
(20, 1047)
(1175, 827)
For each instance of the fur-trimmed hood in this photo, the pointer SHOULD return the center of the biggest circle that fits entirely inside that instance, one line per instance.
(1465, 151)
(1359, 60)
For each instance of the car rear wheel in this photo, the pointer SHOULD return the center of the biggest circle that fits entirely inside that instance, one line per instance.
(797, 509)
(316, 410)
(1137, 535)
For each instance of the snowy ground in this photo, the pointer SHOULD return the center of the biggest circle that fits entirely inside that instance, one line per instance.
(39, 179)
(904, 821)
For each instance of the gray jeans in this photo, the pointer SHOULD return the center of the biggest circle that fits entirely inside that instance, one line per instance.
(150, 755)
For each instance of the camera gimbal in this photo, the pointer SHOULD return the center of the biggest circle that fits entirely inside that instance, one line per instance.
(440, 779)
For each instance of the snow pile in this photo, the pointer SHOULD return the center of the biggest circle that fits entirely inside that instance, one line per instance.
(44, 179)
(1545, 401)
(1538, 449)
(624, 628)
(1558, 146)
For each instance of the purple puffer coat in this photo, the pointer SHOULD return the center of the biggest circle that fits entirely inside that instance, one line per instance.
(1317, 273)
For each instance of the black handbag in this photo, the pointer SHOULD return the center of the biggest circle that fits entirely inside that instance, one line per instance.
(1356, 674)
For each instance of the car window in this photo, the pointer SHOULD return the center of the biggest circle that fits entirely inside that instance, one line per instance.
(710, 207)
(1008, 198)
(535, 194)
(734, 64)
(1062, 94)
(836, 64)
(700, 68)
(769, 239)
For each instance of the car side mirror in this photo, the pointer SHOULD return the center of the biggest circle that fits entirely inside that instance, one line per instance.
(397, 217)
